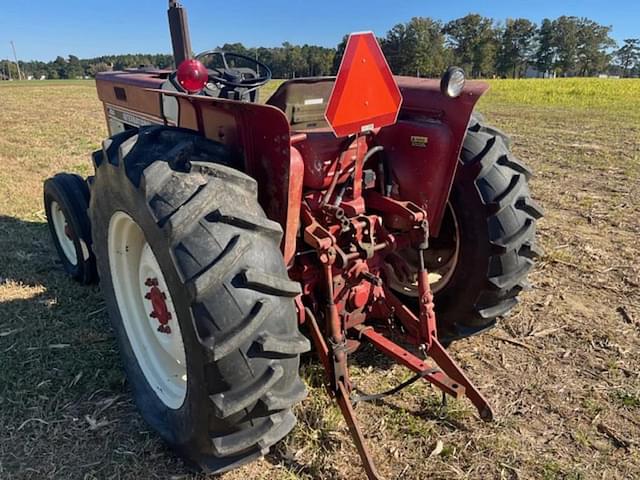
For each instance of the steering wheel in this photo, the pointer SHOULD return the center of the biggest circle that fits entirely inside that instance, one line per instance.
(236, 77)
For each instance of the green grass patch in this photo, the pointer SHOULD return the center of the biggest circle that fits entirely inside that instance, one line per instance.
(607, 95)
(626, 399)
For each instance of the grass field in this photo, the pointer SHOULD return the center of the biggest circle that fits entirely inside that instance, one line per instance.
(562, 372)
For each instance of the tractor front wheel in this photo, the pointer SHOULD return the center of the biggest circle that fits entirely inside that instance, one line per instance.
(66, 201)
(198, 295)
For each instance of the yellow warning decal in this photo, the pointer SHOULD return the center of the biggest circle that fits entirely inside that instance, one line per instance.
(420, 142)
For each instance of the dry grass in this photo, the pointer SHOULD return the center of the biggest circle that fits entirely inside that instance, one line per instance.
(568, 405)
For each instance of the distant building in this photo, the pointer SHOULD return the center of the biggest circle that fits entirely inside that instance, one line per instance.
(533, 72)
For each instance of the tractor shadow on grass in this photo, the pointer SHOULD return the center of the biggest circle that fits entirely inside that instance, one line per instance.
(63, 394)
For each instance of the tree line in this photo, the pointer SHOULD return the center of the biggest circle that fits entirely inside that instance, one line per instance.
(566, 46)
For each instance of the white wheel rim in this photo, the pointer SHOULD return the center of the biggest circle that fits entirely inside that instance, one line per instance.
(63, 233)
(138, 281)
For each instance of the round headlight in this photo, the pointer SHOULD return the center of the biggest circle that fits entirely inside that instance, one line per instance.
(452, 82)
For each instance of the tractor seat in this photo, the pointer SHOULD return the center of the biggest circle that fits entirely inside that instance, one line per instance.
(304, 101)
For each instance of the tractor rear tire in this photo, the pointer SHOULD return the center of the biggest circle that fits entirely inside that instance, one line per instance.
(226, 282)
(496, 221)
(66, 204)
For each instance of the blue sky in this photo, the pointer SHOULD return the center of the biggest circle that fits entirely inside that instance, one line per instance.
(43, 29)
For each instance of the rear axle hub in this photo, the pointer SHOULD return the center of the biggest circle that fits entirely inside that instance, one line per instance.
(158, 301)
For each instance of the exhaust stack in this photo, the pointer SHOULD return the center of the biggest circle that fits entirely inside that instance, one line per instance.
(179, 27)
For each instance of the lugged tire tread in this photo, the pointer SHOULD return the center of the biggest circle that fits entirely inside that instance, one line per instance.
(227, 175)
(268, 432)
(516, 165)
(531, 207)
(510, 279)
(243, 332)
(222, 266)
(155, 177)
(246, 221)
(296, 393)
(179, 156)
(179, 186)
(186, 218)
(509, 196)
(519, 237)
(499, 309)
(233, 401)
(272, 343)
(124, 148)
(531, 250)
(485, 157)
(267, 283)
(279, 430)
(478, 124)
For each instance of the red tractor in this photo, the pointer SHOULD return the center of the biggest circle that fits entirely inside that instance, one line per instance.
(354, 208)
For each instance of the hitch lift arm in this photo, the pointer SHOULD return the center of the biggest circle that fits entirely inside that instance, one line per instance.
(421, 328)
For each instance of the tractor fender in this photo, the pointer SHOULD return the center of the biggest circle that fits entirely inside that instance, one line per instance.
(260, 138)
(423, 146)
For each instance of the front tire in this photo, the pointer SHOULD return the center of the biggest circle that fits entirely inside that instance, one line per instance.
(223, 288)
(66, 201)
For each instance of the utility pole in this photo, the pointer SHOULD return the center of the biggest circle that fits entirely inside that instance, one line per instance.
(15, 57)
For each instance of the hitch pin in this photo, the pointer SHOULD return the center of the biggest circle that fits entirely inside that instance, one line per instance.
(372, 279)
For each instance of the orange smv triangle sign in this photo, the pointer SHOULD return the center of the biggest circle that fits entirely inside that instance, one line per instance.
(365, 95)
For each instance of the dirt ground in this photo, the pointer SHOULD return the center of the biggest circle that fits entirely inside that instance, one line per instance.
(562, 372)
